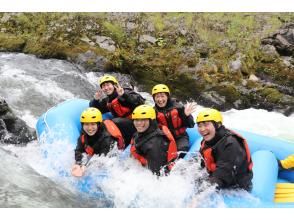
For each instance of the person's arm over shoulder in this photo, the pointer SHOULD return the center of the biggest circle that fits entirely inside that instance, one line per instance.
(99, 104)
(131, 97)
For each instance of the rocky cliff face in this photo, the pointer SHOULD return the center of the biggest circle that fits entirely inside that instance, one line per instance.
(222, 60)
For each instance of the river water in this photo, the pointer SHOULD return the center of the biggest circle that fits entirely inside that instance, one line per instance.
(28, 179)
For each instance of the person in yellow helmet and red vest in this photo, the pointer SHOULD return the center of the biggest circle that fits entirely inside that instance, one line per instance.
(225, 153)
(174, 115)
(119, 101)
(153, 147)
(97, 137)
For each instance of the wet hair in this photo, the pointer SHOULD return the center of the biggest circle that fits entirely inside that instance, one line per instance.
(216, 125)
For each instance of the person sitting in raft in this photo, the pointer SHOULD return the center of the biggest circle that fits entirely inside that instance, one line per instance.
(154, 148)
(171, 113)
(120, 102)
(225, 154)
(287, 163)
(97, 137)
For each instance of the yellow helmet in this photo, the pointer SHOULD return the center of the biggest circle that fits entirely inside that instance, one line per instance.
(91, 115)
(144, 112)
(209, 114)
(160, 88)
(107, 78)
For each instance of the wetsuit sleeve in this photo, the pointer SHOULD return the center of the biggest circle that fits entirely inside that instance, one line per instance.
(188, 121)
(79, 151)
(100, 104)
(230, 158)
(131, 98)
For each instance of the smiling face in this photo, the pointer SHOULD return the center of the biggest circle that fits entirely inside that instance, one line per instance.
(90, 128)
(161, 99)
(107, 88)
(206, 130)
(141, 125)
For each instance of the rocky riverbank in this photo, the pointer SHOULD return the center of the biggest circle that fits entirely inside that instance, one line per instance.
(224, 60)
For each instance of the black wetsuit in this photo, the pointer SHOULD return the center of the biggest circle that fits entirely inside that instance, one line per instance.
(102, 142)
(231, 161)
(153, 146)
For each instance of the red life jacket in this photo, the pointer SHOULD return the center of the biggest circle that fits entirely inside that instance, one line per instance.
(175, 119)
(210, 161)
(119, 109)
(171, 152)
(114, 132)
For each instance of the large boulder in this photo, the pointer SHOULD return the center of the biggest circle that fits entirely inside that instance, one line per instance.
(13, 130)
(282, 40)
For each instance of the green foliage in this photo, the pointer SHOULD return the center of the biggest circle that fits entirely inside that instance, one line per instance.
(9, 42)
(158, 21)
(271, 94)
(183, 39)
(114, 31)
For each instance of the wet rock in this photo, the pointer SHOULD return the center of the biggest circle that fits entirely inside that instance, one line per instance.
(88, 41)
(235, 66)
(13, 130)
(288, 61)
(131, 26)
(269, 50)
(253, 78)
(106, 43)
(147, 39)
(282, 40)
(91, 61)
(213, 99)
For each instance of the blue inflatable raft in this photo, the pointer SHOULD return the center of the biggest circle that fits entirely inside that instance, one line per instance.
(274, 188)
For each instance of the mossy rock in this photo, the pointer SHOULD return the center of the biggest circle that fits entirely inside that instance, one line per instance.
(252, 85)
(9, 42)
(46, 49)
(271, 94)
(229, 91)
(278, 72)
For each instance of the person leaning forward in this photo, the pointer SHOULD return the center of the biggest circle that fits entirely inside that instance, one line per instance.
(97, 137)
(225, 153)
(154, 148)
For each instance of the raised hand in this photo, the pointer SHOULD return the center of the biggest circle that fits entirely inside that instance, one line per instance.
(120, 90)
(190, 107)
(98, 95)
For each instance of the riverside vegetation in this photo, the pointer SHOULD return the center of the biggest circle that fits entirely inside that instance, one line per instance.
(221, 60)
